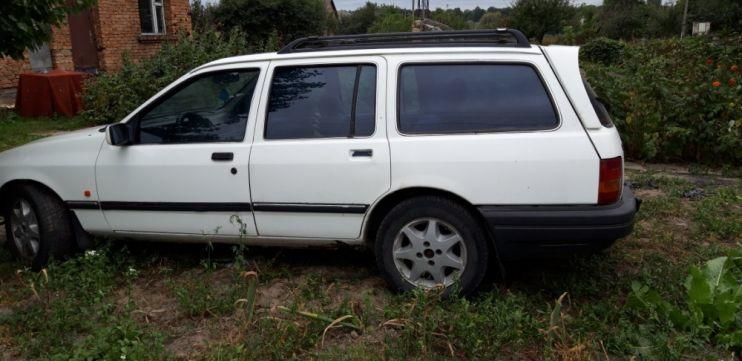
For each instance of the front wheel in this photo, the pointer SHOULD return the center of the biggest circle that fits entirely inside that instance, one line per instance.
(430, 242)
(37, 226)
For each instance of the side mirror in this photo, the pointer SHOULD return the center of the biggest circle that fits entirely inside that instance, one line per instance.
(119, 134)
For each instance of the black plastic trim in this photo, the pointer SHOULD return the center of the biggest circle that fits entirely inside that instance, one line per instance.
(176, 206)
(527, 231)
(82, 205)
(473, 38)
(220, 207)
(222, 156)
(311, 208)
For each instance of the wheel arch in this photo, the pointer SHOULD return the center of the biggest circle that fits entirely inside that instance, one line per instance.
(382, 207)
(6, 192)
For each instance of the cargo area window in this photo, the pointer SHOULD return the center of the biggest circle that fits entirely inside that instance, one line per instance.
(209, 108)
(600, 108)
(472, 98)
(322, 102)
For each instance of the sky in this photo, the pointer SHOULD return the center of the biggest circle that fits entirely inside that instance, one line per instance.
(464, 4)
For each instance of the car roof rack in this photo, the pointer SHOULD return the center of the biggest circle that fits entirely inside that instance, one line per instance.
(486, 38)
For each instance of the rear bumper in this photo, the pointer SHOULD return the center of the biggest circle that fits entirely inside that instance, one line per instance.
(548, 231)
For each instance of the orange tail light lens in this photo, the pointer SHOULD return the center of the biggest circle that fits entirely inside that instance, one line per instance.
(611, 177)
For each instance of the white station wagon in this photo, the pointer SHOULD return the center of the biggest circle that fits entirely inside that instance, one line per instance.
(438, 150)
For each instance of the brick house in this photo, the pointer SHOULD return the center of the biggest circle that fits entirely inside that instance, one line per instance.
(96, 39)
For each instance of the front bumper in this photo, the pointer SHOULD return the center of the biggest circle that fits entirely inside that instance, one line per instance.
(548, 231)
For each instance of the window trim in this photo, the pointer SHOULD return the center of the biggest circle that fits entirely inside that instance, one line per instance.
(135, 120)
(549, 94)
(358, 65)
(155, 26)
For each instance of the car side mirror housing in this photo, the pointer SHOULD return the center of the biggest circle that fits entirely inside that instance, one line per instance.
(119, 134)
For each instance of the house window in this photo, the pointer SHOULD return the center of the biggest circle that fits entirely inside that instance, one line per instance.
(152, 16)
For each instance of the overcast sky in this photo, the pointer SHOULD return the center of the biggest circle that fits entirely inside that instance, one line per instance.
(464, 4)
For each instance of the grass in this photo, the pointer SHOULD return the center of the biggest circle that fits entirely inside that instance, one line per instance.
(15, 131)
(145, 301)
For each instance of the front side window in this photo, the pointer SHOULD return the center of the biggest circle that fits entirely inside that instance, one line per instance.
(322, 102)
(210, 108)
(152, 16)
(472, 98)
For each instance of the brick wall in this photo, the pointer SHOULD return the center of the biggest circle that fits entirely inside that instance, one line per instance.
(61, 48)
(61, 51)
(117, 31)
(9, 70)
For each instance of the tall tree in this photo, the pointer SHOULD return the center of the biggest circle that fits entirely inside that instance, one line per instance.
(358, 21)
(28, 24)
(391, 20)
(263, 19)
(724, 15)
(540, 17)
(493, 20)
(624, 19)
(202, 15)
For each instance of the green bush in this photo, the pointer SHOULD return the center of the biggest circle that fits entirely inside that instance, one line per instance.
(675, 99)
(602, 50)
(110, 97)
(713, 302)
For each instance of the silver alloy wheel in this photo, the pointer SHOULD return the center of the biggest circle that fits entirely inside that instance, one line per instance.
(429, 252)
(24, 228)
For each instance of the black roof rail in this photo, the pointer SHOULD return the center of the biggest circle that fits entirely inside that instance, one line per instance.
(486, 38)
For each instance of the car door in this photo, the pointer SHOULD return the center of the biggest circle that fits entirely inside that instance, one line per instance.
(320, 155)
(187, 171)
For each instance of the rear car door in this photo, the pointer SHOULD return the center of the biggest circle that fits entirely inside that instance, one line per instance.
(320, 155)
(187, 171)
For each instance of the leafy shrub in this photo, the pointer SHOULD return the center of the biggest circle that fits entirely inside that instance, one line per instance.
(713, 302)
(676, 99)
(112, 96)
(602, 50)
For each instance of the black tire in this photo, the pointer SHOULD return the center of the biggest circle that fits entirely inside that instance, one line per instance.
(450, 212)
(55, 226)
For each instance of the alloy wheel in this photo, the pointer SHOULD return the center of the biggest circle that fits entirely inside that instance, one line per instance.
(24, 227)
(429, 252)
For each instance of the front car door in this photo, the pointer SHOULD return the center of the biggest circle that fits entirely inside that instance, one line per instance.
(187, 171)
(320, 155)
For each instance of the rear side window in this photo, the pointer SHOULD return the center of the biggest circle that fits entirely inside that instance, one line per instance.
(473, 98)
(322, 102)
(598, 105)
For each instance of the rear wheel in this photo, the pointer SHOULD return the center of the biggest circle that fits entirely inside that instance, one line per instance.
(37, 226)
(430, 242)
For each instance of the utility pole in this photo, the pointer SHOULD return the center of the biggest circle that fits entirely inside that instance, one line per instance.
(685, 19)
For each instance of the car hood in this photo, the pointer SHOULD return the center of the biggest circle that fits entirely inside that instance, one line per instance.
(74, 135)
(84, 141)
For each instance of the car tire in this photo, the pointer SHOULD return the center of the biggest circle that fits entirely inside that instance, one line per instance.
(416, 246)
(37, 226)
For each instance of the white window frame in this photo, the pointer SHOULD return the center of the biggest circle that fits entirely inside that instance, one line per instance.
(159, 29)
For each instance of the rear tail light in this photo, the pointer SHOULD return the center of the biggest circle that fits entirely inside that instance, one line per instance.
(611, 177)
